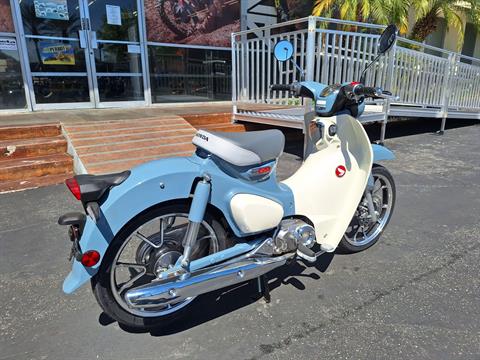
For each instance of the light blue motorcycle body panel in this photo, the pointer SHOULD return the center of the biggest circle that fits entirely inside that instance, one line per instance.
(381, 153)
(163, 180)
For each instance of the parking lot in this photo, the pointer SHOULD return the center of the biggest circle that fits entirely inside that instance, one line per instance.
(414, 295)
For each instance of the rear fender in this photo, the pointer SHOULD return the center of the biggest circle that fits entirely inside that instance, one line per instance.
(149, 184)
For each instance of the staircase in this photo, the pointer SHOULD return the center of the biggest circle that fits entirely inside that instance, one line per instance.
(111, 146)
(32, 156)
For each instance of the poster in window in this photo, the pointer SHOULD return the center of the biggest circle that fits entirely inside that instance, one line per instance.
(6, 23)
(51, 9)
(198, 22)
(53, 53)
(114, 16)
(8, 44)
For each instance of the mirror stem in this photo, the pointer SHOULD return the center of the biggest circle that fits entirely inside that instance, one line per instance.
(364, 73)
(300, 70)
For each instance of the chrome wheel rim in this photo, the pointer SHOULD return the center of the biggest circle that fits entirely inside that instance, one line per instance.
(150, 249)
(362, 230)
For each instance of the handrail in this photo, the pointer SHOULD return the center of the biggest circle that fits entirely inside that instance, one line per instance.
(426, 83)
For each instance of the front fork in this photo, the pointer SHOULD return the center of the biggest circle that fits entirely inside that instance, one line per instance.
(195, 218)
(368, 197)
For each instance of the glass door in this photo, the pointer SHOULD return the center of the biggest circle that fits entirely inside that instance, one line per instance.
(83, 53)
(57, 53)
(116, 55)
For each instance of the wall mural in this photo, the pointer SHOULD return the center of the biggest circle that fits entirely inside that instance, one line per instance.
(196, 22)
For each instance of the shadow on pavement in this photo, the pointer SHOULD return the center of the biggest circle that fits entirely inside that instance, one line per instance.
(399, 128)
(218, 303)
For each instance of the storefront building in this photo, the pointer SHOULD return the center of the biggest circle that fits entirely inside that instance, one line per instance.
(63, 54)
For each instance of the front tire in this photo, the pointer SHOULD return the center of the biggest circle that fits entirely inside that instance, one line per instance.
(145, 261)
(362, 233)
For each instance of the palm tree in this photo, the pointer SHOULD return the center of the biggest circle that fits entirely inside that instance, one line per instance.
(427, 13)
(378, 11)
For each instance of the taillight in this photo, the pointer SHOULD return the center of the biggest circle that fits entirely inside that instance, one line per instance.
(260, 173)
(90, 258)
(73, 186)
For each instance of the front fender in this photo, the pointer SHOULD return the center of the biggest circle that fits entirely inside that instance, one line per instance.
(381, 153)
(149, 184)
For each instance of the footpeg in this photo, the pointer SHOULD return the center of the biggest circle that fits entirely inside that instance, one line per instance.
(306, 253)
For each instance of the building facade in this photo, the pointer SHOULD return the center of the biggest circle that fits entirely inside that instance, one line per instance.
(61, 54)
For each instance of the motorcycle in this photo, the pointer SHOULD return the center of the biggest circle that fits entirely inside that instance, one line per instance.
(156, 237)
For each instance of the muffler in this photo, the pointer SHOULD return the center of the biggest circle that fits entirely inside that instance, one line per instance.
(202, 281)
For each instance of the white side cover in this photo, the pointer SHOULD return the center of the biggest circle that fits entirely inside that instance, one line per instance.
(253, 213)
(328, 200)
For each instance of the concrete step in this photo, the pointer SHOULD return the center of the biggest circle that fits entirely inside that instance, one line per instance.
(113, 133)
(126, 137)
(143, 143)
(119, 165)
(12, 132)
(121, 124)
(135, 153)
(225, 127)
(26, 148)
(197, 120)
(14, 185)
(28, 168)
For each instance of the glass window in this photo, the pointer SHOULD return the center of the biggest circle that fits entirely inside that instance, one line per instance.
(51, 18)
(187, 75)
(6, 23)
(12, 94)
(120, 88)
(60, 89)
(127, 30)
(116, 58)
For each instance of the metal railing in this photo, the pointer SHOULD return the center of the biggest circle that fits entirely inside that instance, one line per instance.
(429, 81)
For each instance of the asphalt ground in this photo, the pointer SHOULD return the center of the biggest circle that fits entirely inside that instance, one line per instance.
(414, 295)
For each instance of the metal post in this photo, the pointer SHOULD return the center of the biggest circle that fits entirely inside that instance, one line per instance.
(446, 91)
(389, 81)
(234, 77)
(383, 129)
(309, 75)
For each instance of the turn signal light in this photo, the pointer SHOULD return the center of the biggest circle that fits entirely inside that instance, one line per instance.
(90, 258)
(73, 186)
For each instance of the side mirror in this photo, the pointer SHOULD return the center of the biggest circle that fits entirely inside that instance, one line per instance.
(283, 51)
(387, 39)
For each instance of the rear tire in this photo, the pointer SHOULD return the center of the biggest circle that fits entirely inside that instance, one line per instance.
(106, 292)
(384, 196)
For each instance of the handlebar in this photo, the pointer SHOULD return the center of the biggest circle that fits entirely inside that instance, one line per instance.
(351, 91)
(359, 90)
(280, 87)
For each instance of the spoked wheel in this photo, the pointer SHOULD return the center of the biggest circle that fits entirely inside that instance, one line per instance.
(149, 245)
(362, 231)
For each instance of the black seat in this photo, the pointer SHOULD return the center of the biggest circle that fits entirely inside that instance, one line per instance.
(93, 187)
(242, 149)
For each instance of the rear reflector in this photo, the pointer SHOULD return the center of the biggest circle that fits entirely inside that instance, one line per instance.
(90, 258)
(73, 186)
(264, 170)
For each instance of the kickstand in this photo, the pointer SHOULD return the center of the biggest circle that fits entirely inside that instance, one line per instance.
(263, 288)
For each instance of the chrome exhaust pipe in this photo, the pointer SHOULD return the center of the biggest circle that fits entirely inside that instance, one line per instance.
(202, 281)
